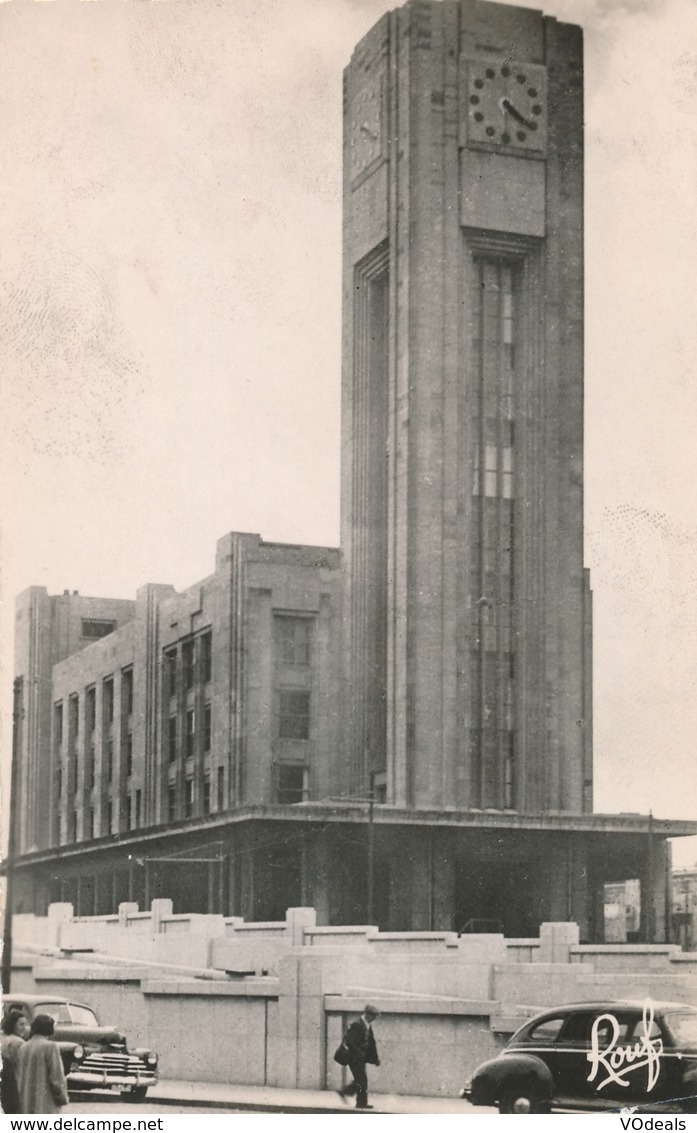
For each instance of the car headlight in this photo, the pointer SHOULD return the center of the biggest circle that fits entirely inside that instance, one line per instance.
(78, 1053)
(151, 1058)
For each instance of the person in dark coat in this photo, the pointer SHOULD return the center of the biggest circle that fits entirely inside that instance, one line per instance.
(14, 1028)
(360, 1041)
(9, 1089)
(42, 1084)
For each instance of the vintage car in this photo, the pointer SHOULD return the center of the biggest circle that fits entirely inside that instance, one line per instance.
(595, 1056)
(94, 1057)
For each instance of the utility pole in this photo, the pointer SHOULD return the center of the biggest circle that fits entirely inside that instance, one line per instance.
(17, 710)
(371, 849)
(650, 891)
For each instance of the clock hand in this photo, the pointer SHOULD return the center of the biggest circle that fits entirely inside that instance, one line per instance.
(510, 109)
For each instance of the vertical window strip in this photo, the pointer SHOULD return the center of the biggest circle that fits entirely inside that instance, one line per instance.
(493, 779)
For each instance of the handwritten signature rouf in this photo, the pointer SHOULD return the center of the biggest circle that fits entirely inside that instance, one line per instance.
(618, 1061)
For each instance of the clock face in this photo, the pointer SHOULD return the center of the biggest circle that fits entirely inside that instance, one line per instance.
(507, 105)
(366, 130)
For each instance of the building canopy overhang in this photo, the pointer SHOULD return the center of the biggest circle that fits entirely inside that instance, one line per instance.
(323, 814)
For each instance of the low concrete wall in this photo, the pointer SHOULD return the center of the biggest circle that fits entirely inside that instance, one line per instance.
(209, 1032)
(447, 1002)
(114, 993)
(625, 957)
(426, 1048)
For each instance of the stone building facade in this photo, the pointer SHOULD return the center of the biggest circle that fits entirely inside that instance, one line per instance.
(468, 606)
(398, 733)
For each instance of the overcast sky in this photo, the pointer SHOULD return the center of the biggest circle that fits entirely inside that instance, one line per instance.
(171, 233)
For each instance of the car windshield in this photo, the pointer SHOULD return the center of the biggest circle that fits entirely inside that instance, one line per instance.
(683, 1027)
(67, 1013)
(85, 1016)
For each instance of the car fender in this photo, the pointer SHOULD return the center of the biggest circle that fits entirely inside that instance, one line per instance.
(689, 1088)
(143, 1052)
(494, 1076)
(66, 1049)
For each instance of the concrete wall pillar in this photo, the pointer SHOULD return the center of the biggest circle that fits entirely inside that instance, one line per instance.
(556, 939)
(59, 914)
(297, 920)
(126, 909)
(160, 908)
(297, 1048)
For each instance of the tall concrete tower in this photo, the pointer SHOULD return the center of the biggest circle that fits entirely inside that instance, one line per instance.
(468, 606)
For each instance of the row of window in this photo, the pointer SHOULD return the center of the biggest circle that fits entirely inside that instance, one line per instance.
(133, 805)
(190, 662)
(90, 709)
(191, 733)
(293, 723)
(185, 806)
(188, 731)
(492, 598)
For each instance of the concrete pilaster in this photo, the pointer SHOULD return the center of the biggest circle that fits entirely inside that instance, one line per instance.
(60, 913)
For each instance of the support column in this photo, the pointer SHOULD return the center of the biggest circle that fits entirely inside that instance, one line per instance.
(655, 890)
(315, 879)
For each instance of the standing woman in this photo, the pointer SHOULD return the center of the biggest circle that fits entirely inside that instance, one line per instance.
(42, 1084)
(14, 1029)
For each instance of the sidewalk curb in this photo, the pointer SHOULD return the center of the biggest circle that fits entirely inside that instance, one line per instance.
(252, 1107)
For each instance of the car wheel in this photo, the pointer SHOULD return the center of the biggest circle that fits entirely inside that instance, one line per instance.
(137, 1094)
(522, 1099)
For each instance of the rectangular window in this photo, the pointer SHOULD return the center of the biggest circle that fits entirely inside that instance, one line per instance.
(507, 473)
(221, 788)
(127, 754)
(172, 803)
(293, 636)
(206, 657)
(496, 338)
(58, 726)
(127, 692)
(108, 700)
(91, 823)
(189, 799)
(73, 721)
(90, 709)
(172, 738)
(109, 817)
(171, 672)
(292, 784)
(190, 732)
(188, 664)
(138, 809)
(59, 781)
(94, 628)
(294, 715)
(89, 766)
(207, 794)
(108, 761)
(207, 726)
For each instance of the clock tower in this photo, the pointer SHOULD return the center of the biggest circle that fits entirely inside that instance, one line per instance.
(468, 605)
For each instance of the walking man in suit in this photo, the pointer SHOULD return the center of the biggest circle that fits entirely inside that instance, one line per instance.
(360, 1041)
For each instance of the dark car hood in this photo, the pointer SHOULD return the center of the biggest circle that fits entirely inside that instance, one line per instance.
(102, 1036)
